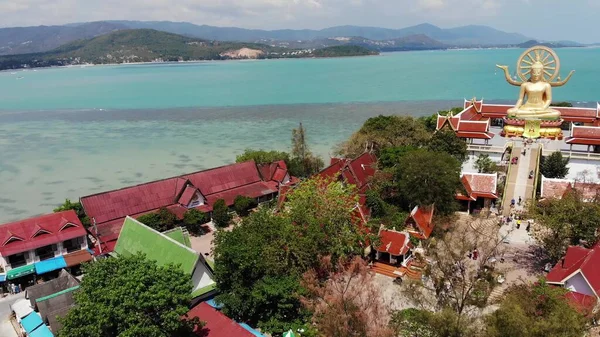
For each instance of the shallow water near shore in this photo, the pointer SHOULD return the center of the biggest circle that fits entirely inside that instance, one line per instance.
(70, 132)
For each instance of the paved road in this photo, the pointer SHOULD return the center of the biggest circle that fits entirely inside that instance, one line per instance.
(6, 329)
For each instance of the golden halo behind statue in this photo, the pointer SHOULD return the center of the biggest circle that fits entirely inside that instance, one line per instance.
(546, 56)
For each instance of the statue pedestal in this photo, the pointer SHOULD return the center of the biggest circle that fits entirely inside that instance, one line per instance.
(532, 128)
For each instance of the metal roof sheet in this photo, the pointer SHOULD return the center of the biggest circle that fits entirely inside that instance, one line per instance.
(136, 237)
(24, 235)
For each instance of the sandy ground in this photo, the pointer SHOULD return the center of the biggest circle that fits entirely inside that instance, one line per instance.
(244, 53)
(203, 244)
(394, 295)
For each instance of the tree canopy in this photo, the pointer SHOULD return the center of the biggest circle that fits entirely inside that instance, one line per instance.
(257, 269)
(193, 220)
(259, 264)
(566, 221)
(554, 166)
(425, 178)
(385, 131)
(130, 296)
(348, 303)
(262, 156)
(535, 310)
(220, 215)
(162, 220)
(78, 208)
(303, 162)
(484, 164)
(242, 205)
(446, 141)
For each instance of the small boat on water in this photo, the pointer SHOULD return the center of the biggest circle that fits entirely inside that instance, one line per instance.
(20, 78)
(13, 73)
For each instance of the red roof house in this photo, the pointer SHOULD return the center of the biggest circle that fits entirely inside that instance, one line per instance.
(394, 247)
(584, 135)
(42, 244)
(557, 188)
(217, 324)
(473, 121)
(420, 222)
(178, 194)
(24, 235)
(578, 271)
(358, 172)
(478, 185)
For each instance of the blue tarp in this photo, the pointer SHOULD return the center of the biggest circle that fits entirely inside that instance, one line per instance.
(252, 331)
(31, 322)
(2, 278)
(214, 304)
(50, 265)
(42, 331)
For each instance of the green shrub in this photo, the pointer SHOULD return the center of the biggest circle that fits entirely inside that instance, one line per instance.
(193, 220)
(221, 216)
(242, 205)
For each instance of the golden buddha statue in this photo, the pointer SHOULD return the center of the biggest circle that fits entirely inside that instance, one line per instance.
(542, 66)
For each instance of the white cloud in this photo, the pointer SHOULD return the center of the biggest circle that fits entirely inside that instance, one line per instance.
(431, 4)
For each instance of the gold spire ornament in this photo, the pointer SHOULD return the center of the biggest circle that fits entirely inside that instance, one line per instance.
(538, 68)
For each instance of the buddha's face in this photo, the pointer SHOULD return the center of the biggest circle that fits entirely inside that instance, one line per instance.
(536, 72)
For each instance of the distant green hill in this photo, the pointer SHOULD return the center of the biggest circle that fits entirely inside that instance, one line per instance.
(339, 51)
(148, 45)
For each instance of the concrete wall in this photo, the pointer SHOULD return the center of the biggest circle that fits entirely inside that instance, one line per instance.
(578, 284)
(469, 164)
(202, 277)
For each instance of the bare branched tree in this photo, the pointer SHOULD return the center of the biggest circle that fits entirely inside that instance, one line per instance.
(345, 300)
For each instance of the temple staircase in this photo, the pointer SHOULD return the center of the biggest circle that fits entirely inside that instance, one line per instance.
(412, 271)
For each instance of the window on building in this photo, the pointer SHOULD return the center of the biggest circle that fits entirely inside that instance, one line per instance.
(72, 245)
(197, 201)
(17, 260)
(46, 252)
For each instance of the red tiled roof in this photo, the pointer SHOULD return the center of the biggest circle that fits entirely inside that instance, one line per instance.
(217, 324)
(585, 135)
(441, 121)
(254, 190)
(117, 204)
(23, 235)
(363, 169)
(422, 219)
(475, 135)
(267, 171)
(578, 259)
(188, 195)
(554, 188)
(557, 188)
(78, 257)
(333, 170)
(468, 126)
(225, 177)
(584, 304)
(279, 175)
(395, 243)
(480, 185)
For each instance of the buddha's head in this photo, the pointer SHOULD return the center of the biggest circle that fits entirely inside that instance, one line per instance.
(537, 71)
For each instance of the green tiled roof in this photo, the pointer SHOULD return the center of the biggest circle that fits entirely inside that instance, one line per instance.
(178, 235)
(136, 237)
(204, 290)
(56, 294)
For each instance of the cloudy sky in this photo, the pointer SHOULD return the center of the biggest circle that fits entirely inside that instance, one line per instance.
(542, 19)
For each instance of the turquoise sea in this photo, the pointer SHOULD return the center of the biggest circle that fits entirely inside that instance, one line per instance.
(69, 132)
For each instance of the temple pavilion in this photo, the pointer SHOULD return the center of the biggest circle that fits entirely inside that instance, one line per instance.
(475, 120)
